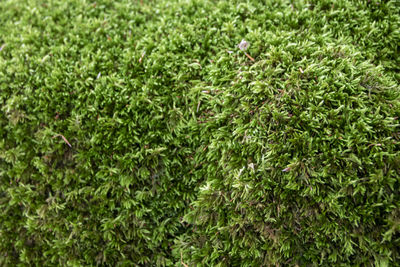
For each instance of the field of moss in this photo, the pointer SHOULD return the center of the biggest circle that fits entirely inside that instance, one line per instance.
(138, 133)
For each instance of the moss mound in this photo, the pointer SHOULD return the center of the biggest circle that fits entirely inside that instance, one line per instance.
(138, 133)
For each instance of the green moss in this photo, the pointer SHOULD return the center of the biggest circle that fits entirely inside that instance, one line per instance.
(138, 133)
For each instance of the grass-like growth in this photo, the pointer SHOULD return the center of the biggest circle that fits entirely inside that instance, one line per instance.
(138, 133)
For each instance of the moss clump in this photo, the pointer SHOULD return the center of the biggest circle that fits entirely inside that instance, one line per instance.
(138, 133)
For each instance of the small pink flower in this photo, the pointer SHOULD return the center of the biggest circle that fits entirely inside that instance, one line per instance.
(243, 45)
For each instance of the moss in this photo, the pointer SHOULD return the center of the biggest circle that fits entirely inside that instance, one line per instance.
(138, 133)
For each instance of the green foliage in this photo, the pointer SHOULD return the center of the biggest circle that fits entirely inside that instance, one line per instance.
(137, 133)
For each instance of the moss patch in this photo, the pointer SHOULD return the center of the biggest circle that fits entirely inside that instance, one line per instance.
(138, 133)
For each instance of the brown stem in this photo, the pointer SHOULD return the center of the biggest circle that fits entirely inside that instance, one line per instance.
(252, 59)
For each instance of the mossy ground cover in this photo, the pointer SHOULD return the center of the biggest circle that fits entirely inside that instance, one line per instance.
(138, 133)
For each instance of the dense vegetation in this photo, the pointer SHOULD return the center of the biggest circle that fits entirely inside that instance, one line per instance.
(138, 133)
